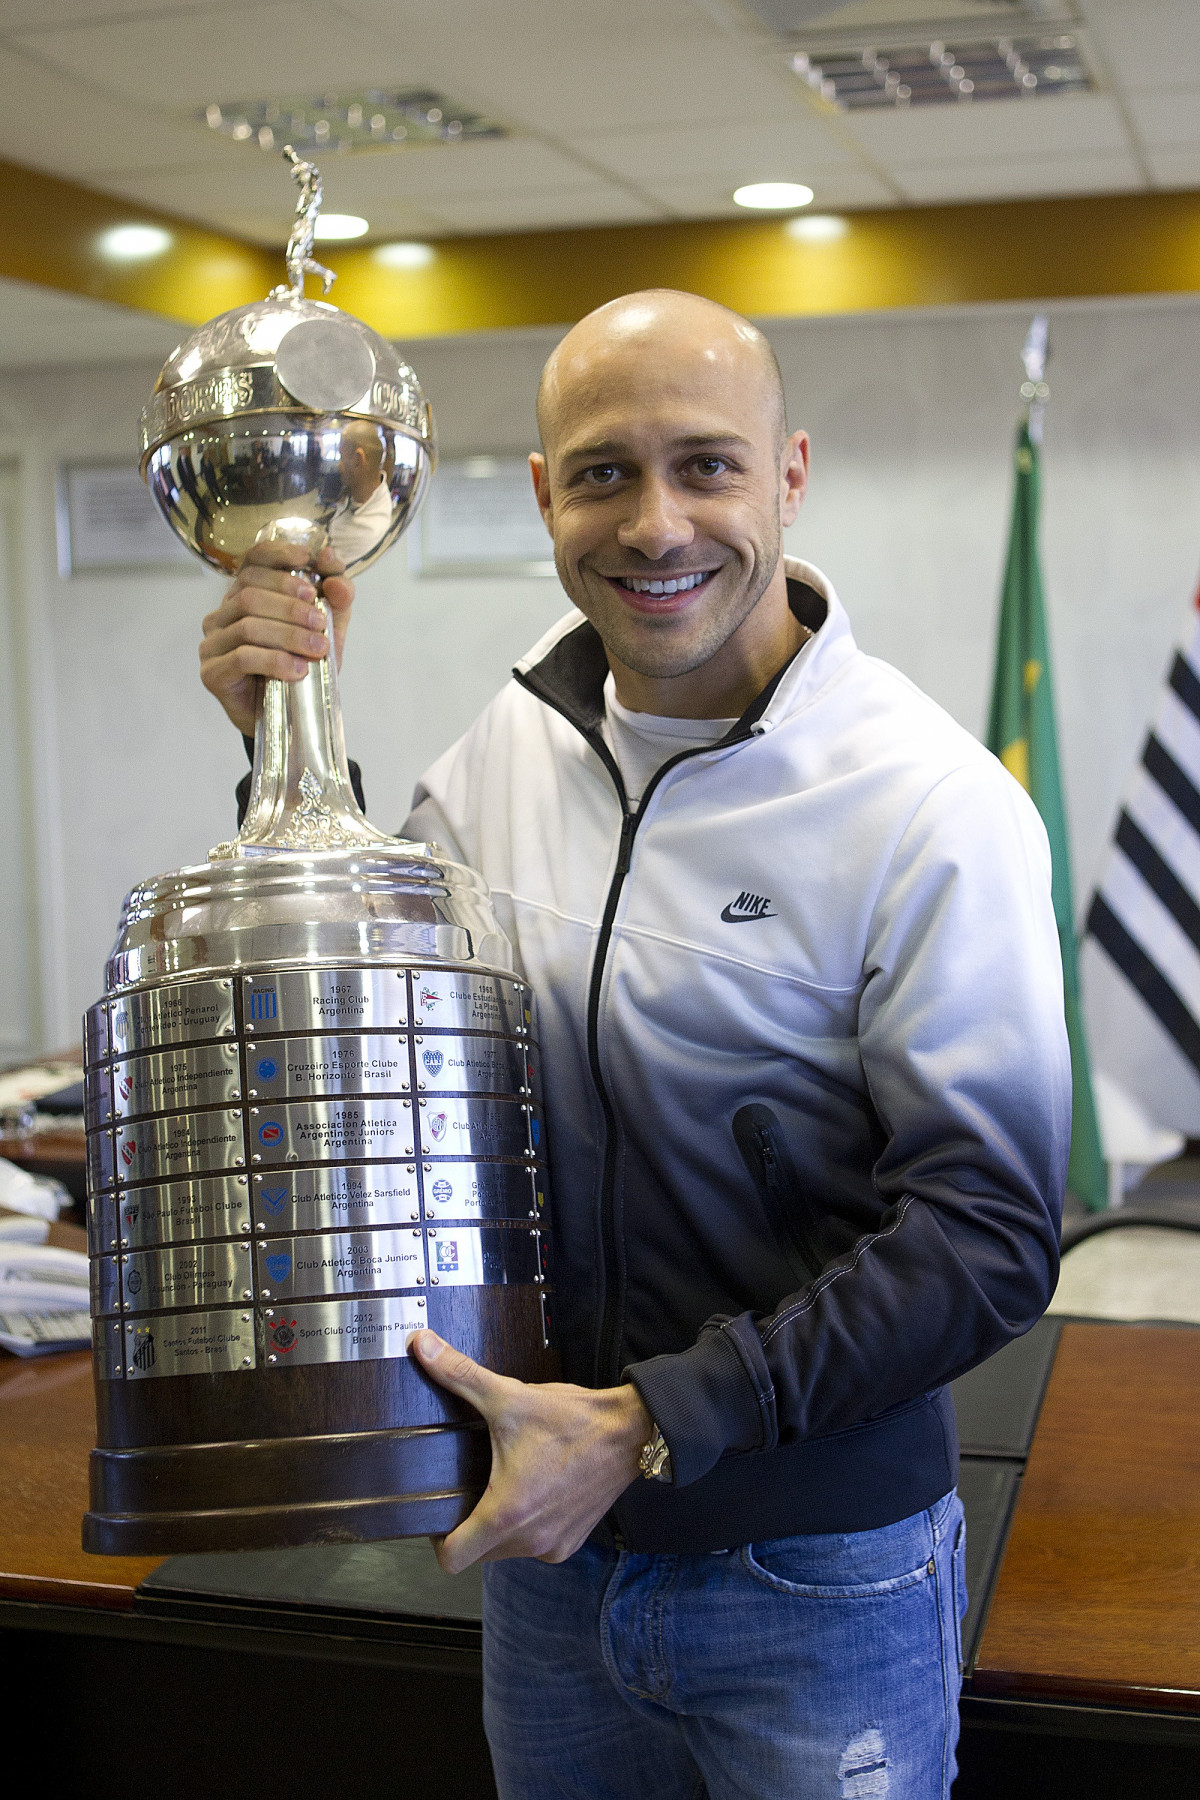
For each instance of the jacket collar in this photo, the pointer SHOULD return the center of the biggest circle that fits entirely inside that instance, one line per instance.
(567, 668)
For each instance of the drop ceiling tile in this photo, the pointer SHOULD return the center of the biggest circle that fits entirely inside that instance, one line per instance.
(992, 128)
(742, 152)
(709, 199)
(512, 180)
(615, 82)
(263, 227)
(1176, 168)
(1149, 43)
(40, 15)
(458, 171)
(557, 209)
(54, 122)
(526, 22)
(182, 62)
(1166, 121)
(1005, 178)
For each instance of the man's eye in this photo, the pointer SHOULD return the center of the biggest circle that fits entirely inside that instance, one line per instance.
(709, 465)
(602, 475)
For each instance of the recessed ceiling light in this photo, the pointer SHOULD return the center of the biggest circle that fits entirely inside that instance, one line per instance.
(336, 228)
(773, 196)
(404, 256)
(817, 228)
(133, 243)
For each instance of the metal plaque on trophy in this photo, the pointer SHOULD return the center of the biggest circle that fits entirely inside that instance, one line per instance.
(312, 1089)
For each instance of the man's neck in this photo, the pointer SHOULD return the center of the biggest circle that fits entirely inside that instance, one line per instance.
(723, 687)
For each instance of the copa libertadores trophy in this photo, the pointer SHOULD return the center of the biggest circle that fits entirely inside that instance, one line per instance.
(311, 1085)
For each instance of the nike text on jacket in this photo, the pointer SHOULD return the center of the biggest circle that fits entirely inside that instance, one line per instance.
(838, 917)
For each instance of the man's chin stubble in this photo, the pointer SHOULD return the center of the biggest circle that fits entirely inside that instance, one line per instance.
(655, 652)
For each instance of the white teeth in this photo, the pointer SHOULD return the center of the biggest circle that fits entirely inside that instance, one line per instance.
(682, 584)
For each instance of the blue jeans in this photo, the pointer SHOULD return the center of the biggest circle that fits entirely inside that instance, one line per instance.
(795, 1669)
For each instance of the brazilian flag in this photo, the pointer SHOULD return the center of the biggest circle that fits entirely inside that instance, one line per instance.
(1021, 733)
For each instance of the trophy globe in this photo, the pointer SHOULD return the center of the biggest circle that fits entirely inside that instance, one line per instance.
(311, 1087)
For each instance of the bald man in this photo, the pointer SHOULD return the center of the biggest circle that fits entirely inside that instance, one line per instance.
(366, 513)
(808, 1101)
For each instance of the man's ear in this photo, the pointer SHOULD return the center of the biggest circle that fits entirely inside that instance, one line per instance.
(793, 477)
(541, 488)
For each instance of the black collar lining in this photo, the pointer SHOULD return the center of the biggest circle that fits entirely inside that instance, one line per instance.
(571, 676)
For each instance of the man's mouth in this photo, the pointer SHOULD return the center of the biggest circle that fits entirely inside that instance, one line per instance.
(663, 585)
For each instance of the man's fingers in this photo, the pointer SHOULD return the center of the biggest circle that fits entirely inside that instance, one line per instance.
(252, 599)
(224, 675)
(265, 634)
(452, 1370)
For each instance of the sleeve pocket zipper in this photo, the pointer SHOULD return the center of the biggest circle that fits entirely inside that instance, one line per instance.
(758, 1136)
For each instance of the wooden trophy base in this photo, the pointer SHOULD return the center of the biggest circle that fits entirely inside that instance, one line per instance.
(343, 1489)
(332, 1453)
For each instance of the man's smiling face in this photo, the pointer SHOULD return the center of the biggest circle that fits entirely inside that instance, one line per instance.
(666, 477)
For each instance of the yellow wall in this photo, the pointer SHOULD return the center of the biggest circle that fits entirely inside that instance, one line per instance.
(916, 256)
(929, 256)
(48, 235)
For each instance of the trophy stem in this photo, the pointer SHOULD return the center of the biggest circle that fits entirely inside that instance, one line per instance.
(301, 798)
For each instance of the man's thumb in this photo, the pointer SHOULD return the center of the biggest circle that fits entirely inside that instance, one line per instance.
(451, 1369)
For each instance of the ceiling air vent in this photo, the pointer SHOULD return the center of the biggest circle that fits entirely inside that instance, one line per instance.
(371, 119)
(945, 72)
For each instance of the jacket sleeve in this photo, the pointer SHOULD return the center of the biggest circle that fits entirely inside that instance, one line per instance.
(965, 1055)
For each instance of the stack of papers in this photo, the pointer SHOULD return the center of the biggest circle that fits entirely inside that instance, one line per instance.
(43, 1291)
(38, 1195)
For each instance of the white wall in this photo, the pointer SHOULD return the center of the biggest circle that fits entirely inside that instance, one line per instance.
(912, 420)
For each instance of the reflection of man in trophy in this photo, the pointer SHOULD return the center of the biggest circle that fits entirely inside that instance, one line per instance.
(366, 512)
(808, 1095)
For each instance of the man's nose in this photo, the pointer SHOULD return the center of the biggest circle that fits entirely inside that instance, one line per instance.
(657, 523)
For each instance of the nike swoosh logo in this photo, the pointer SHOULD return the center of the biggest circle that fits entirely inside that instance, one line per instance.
(744, 918)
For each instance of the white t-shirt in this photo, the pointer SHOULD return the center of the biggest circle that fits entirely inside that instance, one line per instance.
(642, 742)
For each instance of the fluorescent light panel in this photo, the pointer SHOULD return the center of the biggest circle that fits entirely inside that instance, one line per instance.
(941, 73)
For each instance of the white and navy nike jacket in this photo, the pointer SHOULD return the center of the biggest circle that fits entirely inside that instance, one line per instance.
(808, 1090)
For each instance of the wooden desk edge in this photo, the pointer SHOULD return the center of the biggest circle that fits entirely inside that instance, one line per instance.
(57, 1590)
(1006, 1684)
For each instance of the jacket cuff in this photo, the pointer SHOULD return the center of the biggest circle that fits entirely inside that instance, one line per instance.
(708, 1400)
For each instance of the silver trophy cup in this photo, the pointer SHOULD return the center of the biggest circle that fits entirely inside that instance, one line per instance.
(311, 1086)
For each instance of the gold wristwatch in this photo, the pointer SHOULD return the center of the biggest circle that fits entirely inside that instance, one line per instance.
(655, 1460)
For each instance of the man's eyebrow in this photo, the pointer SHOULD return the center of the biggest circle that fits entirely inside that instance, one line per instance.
(612, 450)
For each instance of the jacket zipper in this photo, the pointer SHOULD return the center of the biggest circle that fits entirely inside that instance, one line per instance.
(606, 1361)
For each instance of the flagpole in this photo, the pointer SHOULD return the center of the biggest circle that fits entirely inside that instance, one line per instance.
(1022, 733)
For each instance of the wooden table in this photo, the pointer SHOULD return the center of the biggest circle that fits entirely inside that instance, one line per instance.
(47, 1427)
(1085, 1685)
(1098, 1596)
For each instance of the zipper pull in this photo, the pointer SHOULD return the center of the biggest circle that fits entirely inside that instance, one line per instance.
(766, 1150)
(625, 846)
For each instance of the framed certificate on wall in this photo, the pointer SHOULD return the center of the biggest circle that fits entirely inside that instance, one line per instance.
(480, 518)
(107, 521)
